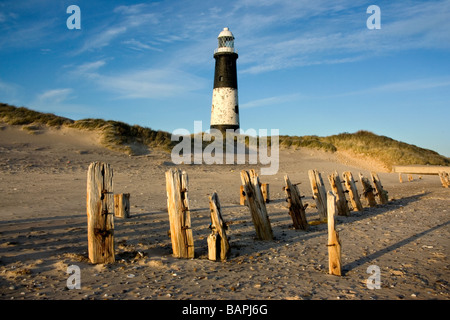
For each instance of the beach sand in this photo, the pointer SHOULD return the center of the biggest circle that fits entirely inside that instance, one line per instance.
(43, 229)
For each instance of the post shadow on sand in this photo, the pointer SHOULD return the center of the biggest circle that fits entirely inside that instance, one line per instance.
(40, 219)
(314, 231)
(350, 266)
(78, 236)
(369, 212)
(280, 239)
(319, 230)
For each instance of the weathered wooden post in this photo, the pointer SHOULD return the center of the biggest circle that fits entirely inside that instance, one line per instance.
(400, 178)
(341, 201)
(122, 205)
(334, 245)
(265, 192)
(218, 246)
(213, 246)
(445, 180)
(256, 204)
(100, 213)
(179, 214)
(367, 190)
(352, 191)
(242, 199)
(410, 178)
(295, 205)
(382, 194)
(319, 193)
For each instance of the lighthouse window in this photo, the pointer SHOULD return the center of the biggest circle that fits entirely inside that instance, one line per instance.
(236, 109)
(220, 78)
(226, 42)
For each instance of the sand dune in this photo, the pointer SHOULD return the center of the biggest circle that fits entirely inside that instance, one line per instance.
(43, 229)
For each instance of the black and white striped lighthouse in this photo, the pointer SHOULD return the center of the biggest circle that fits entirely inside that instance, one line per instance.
(225, 106)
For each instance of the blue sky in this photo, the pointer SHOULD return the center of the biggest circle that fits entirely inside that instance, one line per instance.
(304, 67)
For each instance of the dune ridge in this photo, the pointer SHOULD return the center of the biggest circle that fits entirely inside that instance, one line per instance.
(135, 139)
(43, 228)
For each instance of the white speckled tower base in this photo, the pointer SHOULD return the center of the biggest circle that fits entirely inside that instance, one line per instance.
(225, 108)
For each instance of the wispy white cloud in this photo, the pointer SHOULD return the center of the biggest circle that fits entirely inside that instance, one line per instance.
(335, 36)
(269, 32)
(54, 96)
(101, 39)
(8, 16)
(9, 92)
(140, 46)
(150, 83)
(315, 33)
(135, 9)
(153, 83)
(62, 101)
(89, 67)
(414, 85)
(6, 87)
(403, 86)
(126, 19)
(270, 101)
(26, 35)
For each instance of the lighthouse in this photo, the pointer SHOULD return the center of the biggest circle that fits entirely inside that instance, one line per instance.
(225, 106)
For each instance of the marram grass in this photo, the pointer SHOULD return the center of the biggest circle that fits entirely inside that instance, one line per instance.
(119, 136)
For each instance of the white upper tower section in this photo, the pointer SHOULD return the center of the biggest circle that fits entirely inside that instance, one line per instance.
(226, 41)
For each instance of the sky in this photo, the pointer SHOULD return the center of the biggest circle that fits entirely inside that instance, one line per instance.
(304, 67)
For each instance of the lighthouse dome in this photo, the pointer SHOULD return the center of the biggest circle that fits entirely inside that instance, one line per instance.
(225, 33)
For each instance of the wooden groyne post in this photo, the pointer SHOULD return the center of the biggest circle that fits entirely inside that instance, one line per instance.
(218, 246)
(257, 205)
(367, 190)
(381, 193)
(295, 205)
(179, 214)
(445, 179)
(319, 193)
(100, 213)
(352, 191)
(341, 200)
(265, 192)
(334, 245)
(242, 199)
(122, 205)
